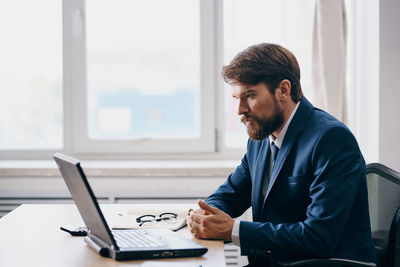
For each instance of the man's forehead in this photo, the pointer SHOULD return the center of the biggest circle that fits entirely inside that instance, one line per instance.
(238, 88)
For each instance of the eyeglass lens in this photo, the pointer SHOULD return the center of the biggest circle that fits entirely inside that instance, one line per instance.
(166, 216)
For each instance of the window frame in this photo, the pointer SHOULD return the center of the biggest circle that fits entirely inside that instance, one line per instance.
(77, 68)
(211, 145)
(74, 86)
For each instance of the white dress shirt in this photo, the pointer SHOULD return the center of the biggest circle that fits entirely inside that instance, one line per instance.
(278, 142)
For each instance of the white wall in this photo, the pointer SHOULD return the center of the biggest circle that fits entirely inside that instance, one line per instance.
(389, 83)
(376, 80)
(365, 80)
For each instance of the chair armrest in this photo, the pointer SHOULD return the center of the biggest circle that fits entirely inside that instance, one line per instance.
(329, 262)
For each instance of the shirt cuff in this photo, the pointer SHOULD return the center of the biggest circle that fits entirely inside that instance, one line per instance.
(235, 233)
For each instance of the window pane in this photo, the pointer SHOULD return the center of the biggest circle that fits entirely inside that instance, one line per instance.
(30, 74)
(248, 22)
(143, 68)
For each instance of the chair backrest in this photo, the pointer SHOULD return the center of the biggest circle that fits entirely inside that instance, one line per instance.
(384, 207)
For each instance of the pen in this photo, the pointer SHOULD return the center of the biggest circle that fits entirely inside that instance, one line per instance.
(180, 227)
(183, 224)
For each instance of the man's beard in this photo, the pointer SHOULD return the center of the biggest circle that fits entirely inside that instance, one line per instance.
(260, 128)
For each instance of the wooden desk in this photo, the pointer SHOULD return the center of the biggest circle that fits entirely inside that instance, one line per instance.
(30, 236)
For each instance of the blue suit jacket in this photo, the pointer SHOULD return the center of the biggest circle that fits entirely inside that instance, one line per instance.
(316, 204)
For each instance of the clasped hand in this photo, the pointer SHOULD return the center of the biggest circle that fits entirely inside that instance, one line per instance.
(210, 223)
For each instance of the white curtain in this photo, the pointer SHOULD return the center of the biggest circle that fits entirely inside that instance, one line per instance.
(329, 57)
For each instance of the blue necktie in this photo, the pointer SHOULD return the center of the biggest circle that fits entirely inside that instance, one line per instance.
(274, 155)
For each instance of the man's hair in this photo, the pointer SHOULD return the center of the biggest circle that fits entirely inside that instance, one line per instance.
(266, 63)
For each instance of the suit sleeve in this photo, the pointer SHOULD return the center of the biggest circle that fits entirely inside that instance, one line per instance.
(234, 196)
(338, 169)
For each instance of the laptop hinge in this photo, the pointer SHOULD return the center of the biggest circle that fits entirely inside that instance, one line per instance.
(98, 245)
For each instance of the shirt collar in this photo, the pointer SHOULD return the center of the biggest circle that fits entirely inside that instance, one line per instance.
(279, 139)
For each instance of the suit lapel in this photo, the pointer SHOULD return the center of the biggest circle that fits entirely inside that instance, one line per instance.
(296, 125)
(260, 172)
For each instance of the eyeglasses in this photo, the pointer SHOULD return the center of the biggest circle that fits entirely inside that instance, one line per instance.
(168, 217)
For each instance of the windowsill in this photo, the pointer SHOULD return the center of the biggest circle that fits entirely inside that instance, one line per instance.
(122, 168)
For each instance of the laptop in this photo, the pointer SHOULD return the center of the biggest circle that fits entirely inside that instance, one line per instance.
(125, 244)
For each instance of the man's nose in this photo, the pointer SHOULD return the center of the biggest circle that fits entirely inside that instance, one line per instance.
(243, 107)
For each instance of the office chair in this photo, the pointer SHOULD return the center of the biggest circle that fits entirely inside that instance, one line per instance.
(384, 207)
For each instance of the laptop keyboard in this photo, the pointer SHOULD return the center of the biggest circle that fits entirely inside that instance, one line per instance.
(135, 238)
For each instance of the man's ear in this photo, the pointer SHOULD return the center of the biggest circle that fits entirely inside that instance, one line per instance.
(285, 87)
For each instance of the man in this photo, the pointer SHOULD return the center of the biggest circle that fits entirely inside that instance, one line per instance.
(303, 173)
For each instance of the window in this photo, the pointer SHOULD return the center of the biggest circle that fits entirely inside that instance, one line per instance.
(147, 79)
(30, 75)
(133, 77)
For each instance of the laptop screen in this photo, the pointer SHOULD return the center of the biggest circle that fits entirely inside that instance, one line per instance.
(84, 197)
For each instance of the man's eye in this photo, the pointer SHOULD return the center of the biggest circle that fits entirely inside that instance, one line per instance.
(250, 95)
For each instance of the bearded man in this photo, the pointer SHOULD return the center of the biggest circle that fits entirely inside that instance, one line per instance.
(303, 173)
